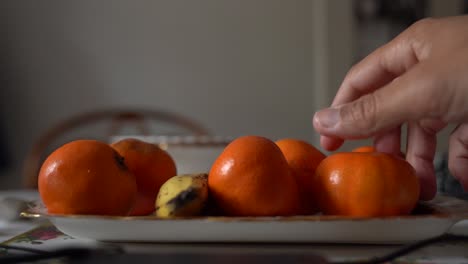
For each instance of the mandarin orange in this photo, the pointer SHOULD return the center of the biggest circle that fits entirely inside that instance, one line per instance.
(303, 159)
(151, 165)
(364, 149)
(251, 177)
(86, 177)
(366, 184)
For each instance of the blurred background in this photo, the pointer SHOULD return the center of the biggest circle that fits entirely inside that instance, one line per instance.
(236, 67)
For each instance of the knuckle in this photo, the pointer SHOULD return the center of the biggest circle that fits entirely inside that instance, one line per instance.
(435, 85)
(453, 166)
(459, 136)
(352, 71)
(418, 36)
(458, 149)
(423, 24)
(431, 126)
(429, 95)
(361, 114)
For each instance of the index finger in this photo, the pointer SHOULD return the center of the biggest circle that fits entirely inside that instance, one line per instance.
(375, 71)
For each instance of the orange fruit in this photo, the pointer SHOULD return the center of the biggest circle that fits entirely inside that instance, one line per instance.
(251, 177)
(366, 184)
(372, 149)
(364, 149)
(151, 165)
(86, 177)
(303, 159)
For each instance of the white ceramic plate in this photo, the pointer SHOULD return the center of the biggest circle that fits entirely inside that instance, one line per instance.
(438, 216)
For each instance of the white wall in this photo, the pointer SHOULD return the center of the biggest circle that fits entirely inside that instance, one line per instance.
(239, 67)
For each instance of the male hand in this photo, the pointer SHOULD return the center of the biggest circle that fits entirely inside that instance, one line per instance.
(419, 78)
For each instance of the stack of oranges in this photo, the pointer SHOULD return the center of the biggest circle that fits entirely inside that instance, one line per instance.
(92, 177)
(253, 176)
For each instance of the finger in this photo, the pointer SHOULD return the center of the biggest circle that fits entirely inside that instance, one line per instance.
(330, 143)
(373, 72)
(420, 154)
(377, 70)
(389, 142)
(458, 154)
(404, 99)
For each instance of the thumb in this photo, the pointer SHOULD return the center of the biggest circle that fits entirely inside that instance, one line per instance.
(404, 99)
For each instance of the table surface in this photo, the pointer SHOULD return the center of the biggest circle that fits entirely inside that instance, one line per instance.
(42, 235)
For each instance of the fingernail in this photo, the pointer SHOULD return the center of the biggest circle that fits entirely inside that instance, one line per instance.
(327, 118)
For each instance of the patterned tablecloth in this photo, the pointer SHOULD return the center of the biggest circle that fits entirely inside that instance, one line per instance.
(47, 238)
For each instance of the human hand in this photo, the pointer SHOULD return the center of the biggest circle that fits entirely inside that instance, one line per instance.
(419, 78)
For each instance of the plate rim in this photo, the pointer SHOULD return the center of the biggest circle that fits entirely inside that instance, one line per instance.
(36, 209)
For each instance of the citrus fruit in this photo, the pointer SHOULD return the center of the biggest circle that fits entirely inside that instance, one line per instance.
(364, 149)
(303, 159)
(251, 177)
(151, 165)
(366, 184)
(86, 177)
